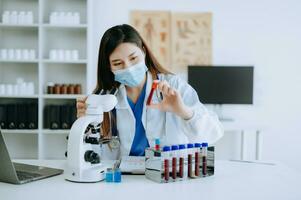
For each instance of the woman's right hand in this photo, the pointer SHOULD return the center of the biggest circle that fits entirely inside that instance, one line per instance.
(81, 106)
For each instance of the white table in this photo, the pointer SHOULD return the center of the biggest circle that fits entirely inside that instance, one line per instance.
(241, 127)
(233, 180)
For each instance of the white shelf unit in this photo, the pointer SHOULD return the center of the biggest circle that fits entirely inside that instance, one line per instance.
(42, 36)
(15, 26)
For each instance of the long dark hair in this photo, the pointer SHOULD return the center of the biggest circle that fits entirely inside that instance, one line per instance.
(105, 78)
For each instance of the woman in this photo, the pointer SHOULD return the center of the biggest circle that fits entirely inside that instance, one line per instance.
(126, 63)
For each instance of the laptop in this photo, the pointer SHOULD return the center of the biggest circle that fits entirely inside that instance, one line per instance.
(18, 173)
(132, 165)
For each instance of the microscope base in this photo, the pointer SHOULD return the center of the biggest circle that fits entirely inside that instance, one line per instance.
(88, 175)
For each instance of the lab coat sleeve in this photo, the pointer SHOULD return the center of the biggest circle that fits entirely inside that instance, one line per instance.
(204, 125)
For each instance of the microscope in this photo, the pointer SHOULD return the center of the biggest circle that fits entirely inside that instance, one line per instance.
(83, 161)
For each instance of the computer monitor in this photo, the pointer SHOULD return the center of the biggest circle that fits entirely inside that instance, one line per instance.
(222, 84)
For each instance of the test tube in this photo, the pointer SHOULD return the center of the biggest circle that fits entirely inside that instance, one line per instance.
(197, 147)
(174, 149)
(204, 158)
(157, 144)
(166, 150)
(190, 159)
(154, 87)
(182, 156)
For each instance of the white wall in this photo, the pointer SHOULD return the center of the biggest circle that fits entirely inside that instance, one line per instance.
(265, 34)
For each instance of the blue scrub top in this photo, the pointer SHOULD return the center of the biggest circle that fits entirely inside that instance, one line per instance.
(140, 141)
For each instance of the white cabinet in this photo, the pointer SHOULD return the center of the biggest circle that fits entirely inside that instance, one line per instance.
(59, 33)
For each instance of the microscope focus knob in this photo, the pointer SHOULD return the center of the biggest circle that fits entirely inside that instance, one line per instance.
(92, 157)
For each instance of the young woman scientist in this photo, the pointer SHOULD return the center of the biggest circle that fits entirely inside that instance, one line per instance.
(126, 63)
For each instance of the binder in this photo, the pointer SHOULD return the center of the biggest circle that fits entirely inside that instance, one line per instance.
(65, 117)
(46, 121)
(22, 116)
(12, 113)
(73, 113)
(54, 116)
(3, 116)
(32, 116)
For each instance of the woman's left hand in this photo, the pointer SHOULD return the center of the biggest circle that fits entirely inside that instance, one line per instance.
(172, 101)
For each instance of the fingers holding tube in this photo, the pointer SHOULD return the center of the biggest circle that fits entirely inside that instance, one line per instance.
(81, 106)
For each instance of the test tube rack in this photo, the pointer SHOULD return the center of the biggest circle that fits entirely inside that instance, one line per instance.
(155, 166)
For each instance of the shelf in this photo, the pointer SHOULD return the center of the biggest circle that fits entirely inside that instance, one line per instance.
(20, 96)
(62, 96)
(42, 36)
(56, 131)
(19, 25)
(19, 131)
(65, 62)
(20, 61)
(80, 26)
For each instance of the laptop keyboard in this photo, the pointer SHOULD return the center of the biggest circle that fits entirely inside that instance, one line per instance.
(132, 164)
(27, 175)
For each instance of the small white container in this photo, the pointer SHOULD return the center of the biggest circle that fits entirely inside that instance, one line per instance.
(32, 54)
(30, 88)
(4, 54)
(23, 87)
(21, 18)
(68, 55)
(75, 55)
(20, 88)
(53, 54)
(29, 18)
(2, 89)
(69, 18)
(18, 54)
(9, 89)
(76, 18)
(13, 18)
(16, 90)
(61, 54)
(25, 54)
(53, 18)
(6, 17)
(62, 18)
(11, 54)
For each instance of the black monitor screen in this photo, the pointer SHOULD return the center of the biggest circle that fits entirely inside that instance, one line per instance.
(222, 84)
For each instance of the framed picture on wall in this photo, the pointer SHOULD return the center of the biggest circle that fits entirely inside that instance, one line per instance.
(191, 40)
(176, 39)
(154, 27)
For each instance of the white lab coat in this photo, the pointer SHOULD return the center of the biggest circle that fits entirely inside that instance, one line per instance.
(204, 126)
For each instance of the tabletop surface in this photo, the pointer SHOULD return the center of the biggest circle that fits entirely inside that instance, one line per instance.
(232, 180)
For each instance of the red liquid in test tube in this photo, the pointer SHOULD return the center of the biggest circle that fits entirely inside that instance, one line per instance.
(182, 152)
(189, 150)
(197, 159)
(181, 169)
(189, 165)
(166, 151)
(174, 150)
(154, 87)
(204, 156)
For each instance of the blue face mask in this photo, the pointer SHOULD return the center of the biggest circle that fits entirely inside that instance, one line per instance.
(131, 76)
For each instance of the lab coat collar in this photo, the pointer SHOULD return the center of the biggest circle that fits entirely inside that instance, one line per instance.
(122, 98)
(149, 82)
